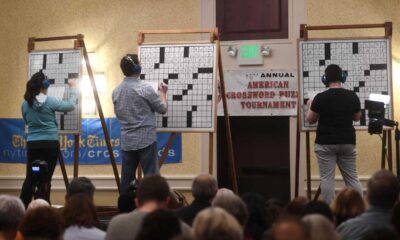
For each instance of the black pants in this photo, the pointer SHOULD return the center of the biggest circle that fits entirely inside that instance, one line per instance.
(50, 155)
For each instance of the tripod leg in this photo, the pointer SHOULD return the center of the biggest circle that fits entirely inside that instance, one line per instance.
(63, 170)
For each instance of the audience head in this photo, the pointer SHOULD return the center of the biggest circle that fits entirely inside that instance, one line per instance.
(224, 191)
(127, 64)
(256, 224)
(37, 203)
(214, 224)
(204, 187)
(319, 207)
(273, 210)
(295, 208)
(80, 185)
(233, 205)
(320, 228)
(44, 223)
(159, 225)
(12, 211)
(385, 233)
(153, 189)
(288, 229)
(383, 189)
(348, 204)
(80, 211)
(395, 217)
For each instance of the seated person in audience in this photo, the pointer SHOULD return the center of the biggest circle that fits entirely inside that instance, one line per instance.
(273, 211)
(395, 217)
(234, 205)
(288, 229)
(215, 224)
(12, 211)
(256, 207)
(382, 193)
(381, 234)
(295, 208)
(81, 220)
(160, 225)
(347, 204)
(80, 185)
(153, 193)
(44, 223)
(37, 203)
(320, 228)
(319, 207)
(204, 188)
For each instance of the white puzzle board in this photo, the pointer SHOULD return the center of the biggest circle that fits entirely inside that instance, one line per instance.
(59, 67)
(189, 70)
(366, 61)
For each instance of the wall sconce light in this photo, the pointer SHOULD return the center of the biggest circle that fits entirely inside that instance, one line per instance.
(232, 51)
(265, 50)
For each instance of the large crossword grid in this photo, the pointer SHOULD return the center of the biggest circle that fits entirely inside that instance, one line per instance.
(366, 61)
(59, 67)
(189, 72)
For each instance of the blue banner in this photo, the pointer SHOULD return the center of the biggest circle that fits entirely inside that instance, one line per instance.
(92, 144)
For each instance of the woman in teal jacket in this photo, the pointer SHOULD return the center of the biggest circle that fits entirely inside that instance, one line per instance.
(38, 112)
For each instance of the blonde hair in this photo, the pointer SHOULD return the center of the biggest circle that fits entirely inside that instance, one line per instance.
(215, 223)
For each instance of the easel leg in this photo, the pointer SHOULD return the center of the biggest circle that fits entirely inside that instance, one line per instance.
(383, 155)
(297, 167)
(389, 148)
(166, 149)
(76, 156)
(308, 159)
(63, 170)
(210, 153)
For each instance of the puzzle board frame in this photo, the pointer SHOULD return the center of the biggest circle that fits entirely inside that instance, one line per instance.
(54, 58)
(188, 92)
(359, 79)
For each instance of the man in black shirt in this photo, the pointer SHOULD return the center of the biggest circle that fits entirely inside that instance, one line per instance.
(335, 110)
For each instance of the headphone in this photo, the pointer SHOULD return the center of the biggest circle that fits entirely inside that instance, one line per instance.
(136, 68)
(326, 80)
(46, 81)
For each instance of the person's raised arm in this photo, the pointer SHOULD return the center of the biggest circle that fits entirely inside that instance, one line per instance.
(69, 104)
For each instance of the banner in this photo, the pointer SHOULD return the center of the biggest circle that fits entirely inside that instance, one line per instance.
(92, 146)
(260, 93)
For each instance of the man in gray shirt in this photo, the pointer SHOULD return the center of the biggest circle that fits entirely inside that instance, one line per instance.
(135, 104)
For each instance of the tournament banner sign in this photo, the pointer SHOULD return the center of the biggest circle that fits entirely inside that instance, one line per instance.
(260, 93)
(92, 144)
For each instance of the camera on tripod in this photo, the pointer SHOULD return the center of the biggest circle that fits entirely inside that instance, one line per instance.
(376, 113)
(40, 179)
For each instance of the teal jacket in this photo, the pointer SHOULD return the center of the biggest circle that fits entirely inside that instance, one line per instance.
(41, 117)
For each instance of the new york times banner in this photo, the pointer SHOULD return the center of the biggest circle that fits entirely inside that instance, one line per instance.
(260, 93)
(92, 147)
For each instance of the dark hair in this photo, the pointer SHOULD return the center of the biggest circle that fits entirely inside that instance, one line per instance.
(333, 73)
(319, 207)
(80, 211)
(126, 64)
(80, 185)
(383, 189)
(382, 233)
(33, 87)
(295, 208)
(43, 223)
(204, 187)
(159, 225)
(395, 217)
(153, 188)
(256, 224)
(273, 210)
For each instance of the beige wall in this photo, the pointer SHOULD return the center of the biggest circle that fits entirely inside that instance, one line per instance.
(110, 29)
(328, 12)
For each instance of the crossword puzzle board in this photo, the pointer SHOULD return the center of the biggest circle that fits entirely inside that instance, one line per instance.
(189, 70)
(366, 61)
(59, 67)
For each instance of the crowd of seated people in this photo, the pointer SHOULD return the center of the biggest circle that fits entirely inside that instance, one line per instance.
(213, 214)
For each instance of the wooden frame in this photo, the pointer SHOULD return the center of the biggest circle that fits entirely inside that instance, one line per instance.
(304, 36)
(213, 38)
(80, 44)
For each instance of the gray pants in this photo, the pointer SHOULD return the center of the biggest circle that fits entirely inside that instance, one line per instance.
(344, 155)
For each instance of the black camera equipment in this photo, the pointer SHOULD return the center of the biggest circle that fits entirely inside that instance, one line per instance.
(40, 180)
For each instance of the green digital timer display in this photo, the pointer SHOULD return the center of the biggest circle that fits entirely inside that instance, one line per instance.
(250, 51)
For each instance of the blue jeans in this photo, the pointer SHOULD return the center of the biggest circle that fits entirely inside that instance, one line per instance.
(130, 160)
(344, 155)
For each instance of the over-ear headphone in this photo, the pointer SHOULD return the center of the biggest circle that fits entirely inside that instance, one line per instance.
(326, 80)
(136, 68)
(46, 81)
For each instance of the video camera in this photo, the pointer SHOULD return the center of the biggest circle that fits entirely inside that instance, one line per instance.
(376, 115)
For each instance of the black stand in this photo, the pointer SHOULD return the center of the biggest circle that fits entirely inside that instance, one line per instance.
(397, 139)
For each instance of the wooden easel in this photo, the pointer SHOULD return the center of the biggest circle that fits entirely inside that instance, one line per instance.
(79, 43)
(214, 38)
(387, 134)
